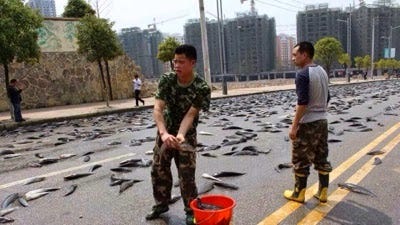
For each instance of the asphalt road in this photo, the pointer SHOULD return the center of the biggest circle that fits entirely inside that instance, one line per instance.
(259, 197)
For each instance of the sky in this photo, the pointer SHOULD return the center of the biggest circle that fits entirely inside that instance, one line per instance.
(171, 15)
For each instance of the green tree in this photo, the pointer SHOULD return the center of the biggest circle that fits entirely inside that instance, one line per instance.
(366, 62)
(166, 50)
(328, 51)
(18, 34)
(77, 9)
(98, 42)
(344, 59)
(358, 61)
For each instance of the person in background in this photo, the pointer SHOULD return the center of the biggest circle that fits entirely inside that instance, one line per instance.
(14, 90)
(137, 86)
(309, 131)
(179, 98)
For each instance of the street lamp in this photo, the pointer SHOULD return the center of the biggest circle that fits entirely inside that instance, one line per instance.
(390, 40)
(348, 25)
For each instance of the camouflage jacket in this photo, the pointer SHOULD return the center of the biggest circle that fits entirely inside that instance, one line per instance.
(179, 99)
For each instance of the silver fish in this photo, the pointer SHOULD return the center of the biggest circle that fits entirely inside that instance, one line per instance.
(7, 211)
(356, 188)
(208, 176)
(71, 189)
(6, 220)
(9, 200)
(22, 201)
(77, 175)
(34, 180)
(32, 196)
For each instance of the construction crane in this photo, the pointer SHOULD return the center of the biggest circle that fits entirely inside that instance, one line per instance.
(252, 6)
(153, 26)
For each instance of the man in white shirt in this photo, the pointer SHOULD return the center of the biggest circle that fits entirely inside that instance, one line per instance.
(137, 85)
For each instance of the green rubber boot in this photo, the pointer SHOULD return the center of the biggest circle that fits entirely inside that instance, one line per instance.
(299, 192)
(322, 194)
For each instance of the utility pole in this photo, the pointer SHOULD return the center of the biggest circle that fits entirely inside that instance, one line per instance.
(221, 46)
(204, 44)
(372, 48)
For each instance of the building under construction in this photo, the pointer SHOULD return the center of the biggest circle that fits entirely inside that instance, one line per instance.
(142, 47)
(249, 45)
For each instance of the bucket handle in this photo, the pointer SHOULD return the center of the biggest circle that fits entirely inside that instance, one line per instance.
(205, 220)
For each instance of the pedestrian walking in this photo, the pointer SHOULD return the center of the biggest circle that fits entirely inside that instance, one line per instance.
(309, 131)
(14, 90)
(137, 86)
(179, 98)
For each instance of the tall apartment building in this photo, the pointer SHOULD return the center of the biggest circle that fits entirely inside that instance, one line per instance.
(284, 47)
(318, 21)
(192, 36)
(46, 7)
(384, 19)
(249, 44)
(142, 47)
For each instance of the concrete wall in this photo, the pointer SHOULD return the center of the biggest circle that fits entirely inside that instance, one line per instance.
(64, 77)
(67, 78)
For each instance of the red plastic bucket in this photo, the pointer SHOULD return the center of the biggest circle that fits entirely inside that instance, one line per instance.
(222, 216)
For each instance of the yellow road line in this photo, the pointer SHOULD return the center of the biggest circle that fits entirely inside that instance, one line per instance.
(318, 213)
(288, 208)
(3, 186)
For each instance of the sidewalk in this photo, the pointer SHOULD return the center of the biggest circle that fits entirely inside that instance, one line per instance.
(61, 113)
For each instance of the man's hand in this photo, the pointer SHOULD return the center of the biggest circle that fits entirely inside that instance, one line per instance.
(180, 137)
(170, 140)
(293, 132)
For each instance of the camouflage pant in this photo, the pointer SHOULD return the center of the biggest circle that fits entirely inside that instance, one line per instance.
(311, 146)
(161, 172)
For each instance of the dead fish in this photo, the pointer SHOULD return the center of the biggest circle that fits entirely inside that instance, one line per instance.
(94, 167)
(356, 188)
(117, 180)
(77, 175)
(174, 198)
(208, 176)
(205, 133)
(29, 193)
(46, 161)
(246, 152)
(39, 155)
(9, 200)
(34, 180)
(206, 206)
(207, 154)
(22, 201)
(227, 174)
(377, 161)
(6, 211)
(232, 128)
(226, 185)
(121, 170)
(86, 158)
(34, 195)
(6, 152)
(10, 156)
(6, 219)
(144, 163)
(376, 152)
(71, 189)
(115, 143)
(334, 140)
(127, 184)
(87, 153)
(67, 156)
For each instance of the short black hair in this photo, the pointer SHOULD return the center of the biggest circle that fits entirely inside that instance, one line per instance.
(306, 47)
(13, 81)
(188, 50)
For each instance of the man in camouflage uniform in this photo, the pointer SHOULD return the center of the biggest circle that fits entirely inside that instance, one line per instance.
(309, 131)
(179, 98)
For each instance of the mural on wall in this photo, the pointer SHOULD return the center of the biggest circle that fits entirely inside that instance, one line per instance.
(58, 36)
